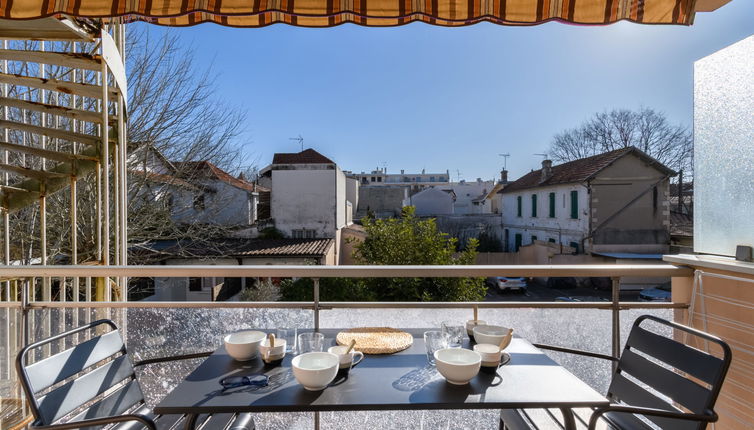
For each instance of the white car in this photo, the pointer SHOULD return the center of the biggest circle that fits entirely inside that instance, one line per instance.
(504, 283)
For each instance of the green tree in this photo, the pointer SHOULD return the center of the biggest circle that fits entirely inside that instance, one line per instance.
(409, 240)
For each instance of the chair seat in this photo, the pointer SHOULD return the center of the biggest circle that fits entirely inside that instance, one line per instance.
(549, 419)
(242, 421)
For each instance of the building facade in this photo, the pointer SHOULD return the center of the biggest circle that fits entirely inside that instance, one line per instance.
(612, 202)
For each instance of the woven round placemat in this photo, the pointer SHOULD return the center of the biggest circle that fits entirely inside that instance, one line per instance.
(376, 340)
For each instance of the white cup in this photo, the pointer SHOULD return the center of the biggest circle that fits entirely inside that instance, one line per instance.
(346, 360)
(272, 353)
(490, 354)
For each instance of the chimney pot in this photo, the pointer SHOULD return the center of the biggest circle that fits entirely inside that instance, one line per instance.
(546, 170)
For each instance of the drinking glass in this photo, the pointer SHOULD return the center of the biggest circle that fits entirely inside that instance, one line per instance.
(289, 334)
(454, 331)
(434, 340)
(310, 342)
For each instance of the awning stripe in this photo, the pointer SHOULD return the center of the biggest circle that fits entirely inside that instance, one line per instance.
(379, 13)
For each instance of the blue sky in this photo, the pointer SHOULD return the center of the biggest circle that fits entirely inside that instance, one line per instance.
(423, 97)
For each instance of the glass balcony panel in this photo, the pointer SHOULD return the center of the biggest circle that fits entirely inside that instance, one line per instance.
(157, 332)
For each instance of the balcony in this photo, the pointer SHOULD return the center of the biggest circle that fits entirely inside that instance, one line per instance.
(155, 329)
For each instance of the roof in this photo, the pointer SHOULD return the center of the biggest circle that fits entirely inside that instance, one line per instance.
(164, 179)
(205, 170)
(307, 156)
(629, 255)
(244, 248)
(581, 170)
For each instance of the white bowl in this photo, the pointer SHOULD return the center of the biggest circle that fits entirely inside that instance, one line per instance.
(243, 345)
(490, 354)
(458, 365)
(315, 370)
(492, 334)
(470, 324)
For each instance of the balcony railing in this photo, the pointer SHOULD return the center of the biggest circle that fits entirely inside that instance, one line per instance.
(160, 328)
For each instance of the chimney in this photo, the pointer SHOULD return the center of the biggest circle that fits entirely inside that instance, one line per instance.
(546, 170)
(504, 176)
(403, 171)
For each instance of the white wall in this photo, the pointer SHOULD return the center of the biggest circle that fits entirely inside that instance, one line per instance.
(561, 228)
(340, 199)
(227, 205)
(465, 193)
(306, 199)
(431, 202)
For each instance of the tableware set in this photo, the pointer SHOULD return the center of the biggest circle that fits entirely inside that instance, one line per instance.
(458, 365)
(312, 367)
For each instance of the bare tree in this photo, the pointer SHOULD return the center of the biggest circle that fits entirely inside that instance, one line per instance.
(646, 129)
(173, 109)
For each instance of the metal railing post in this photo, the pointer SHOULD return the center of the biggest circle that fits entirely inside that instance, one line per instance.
(316, 303)
(616, 319)
(25, 313)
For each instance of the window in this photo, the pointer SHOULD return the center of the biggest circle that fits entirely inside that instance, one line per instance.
(574, 205)
(373, 179)
(379, 179)
(552, 205)
(518, 210)
(551, 240)
(199, 202)
(195, 284)
(574, 245)
(303, 233)
(309, 234)
(533, 238)
(518, 242)
(533, 205)
(431, 179)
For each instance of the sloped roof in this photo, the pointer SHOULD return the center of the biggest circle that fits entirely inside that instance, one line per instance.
(206, 170)
(164, 179)
(242, 248)
(581, 170)
(307, 156)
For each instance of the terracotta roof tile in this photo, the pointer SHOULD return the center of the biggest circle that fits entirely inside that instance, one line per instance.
(250, 248)
(164, 179)
(579, 170)
(307, 156)
(206, 170)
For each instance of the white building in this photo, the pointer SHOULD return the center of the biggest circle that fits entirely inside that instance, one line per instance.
(432, 201)
(309, 195)
(194, 191)
(470, 197)
(612, 202)
(415, 181)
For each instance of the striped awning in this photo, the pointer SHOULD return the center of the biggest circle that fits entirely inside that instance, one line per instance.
(378, 13)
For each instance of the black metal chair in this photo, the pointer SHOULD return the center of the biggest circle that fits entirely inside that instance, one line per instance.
(93, 385)
(687, 379)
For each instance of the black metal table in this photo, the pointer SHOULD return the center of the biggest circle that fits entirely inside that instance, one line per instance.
(384, 382)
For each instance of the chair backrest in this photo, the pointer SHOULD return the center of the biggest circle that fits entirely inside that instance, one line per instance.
(77, 382)
(684, 375)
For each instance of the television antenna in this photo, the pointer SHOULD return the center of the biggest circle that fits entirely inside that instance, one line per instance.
(458, 175)
(544, 155)
(505, 160)
(300, 140)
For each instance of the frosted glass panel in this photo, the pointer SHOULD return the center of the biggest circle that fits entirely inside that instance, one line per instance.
(724, 149)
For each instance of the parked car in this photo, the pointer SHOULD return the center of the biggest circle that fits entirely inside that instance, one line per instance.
(657, 294)
(504, 283)
(580, 299)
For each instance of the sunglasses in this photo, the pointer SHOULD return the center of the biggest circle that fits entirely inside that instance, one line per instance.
(258, 380)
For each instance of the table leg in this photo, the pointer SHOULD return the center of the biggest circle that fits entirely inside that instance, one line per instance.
(190, 421)
(316, 420)
(568, 421)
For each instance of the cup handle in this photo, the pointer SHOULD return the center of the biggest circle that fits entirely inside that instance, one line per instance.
(361, 357)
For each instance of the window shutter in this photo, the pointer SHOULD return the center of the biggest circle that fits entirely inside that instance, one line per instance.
(574, 204)
(518, 200)
(552, 205)
(533, 205)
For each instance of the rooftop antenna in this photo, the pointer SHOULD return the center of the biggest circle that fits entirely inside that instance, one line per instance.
(505, 160)
(458, 175)
(543, 155)
(300, 140)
